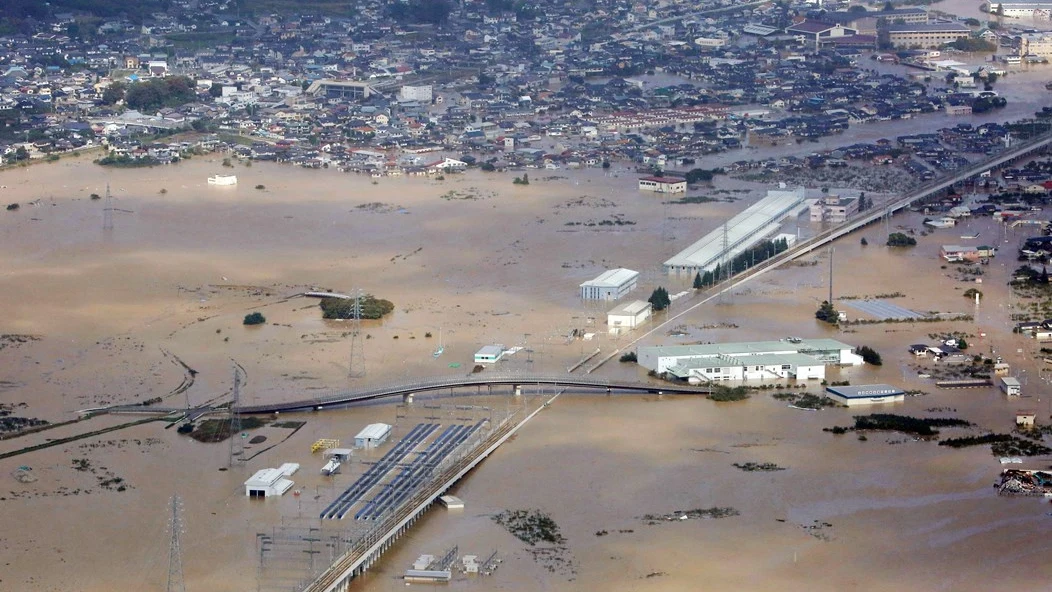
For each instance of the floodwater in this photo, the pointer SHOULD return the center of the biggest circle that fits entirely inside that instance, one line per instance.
(476, 260)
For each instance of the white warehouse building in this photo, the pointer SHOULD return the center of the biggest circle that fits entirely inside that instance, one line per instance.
(628, 316)
(802, 359)
(611, 285)
(372, 435)
(757, 222)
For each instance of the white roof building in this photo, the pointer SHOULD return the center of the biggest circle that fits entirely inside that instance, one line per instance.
(610, 285)
(271, 482)
(628, 316)
(372, 435)
(760, 220)
(752, 360)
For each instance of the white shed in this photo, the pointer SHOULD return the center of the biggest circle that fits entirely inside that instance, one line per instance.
(628, 316)
(372, 435)
(1011, 386)
(270, 482)
(489, 354)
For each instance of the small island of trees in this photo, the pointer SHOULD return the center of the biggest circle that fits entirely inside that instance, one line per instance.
(343, 308)
(898, 239)
(255, 318)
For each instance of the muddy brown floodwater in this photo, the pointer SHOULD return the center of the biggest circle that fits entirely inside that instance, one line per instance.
(477, 260)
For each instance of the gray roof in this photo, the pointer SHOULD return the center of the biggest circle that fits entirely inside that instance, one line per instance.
(929, 28)
(747, 348)
(866, 391)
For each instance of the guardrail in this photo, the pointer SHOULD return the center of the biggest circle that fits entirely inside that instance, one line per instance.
(570, 381)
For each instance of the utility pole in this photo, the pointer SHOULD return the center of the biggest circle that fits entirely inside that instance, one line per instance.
(175, 551)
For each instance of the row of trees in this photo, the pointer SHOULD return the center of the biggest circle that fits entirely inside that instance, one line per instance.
(744, 260)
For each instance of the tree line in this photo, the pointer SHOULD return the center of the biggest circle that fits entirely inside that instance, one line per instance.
(742, 261)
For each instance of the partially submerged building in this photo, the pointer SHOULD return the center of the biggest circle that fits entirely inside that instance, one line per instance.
(372, 435)
(610, 285)
(866, 394)
(628, 316)
(489, 354)
(271, 482)
(801, 359)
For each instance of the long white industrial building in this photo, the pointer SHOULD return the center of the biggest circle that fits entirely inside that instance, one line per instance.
(758, 221)
(801, 359)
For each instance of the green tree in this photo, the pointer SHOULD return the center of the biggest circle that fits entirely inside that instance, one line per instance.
(961, 343)
(827, 313)
(255, 318)
(216, 90)
(697, 281)
(659, 299)
(869, 355)
(113, 93)
(898, 239)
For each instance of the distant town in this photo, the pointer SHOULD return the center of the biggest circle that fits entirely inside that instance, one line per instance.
(497, 84)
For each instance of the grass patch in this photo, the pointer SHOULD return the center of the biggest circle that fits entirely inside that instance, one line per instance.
(530, 526)
(920, 426)
(713, 513)
(694, 199)
(725, 393)
(218, 430)
(751, 467)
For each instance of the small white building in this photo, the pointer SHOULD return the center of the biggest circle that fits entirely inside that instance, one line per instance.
(611, 285)
(628, 316)
(451, 502)
(372, 435)
(866, 394)
(1010, 386)
(663, 184)
(489, 354)
(270, 482)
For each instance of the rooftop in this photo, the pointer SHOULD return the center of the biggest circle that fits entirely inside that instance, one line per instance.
(630, 308)
(866, 391)
(748, 348)
(664, 179)
(762, 218)
(374, 431)
(929, 28)
(612, 278)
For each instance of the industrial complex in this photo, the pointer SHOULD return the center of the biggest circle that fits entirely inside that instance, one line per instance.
(801, 359)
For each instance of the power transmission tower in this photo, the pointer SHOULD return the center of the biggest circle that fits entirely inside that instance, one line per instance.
(237, 447)
(107, 210)
(175, 551)
(356, 364)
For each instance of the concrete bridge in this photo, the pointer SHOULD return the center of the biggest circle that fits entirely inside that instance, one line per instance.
(408, 389)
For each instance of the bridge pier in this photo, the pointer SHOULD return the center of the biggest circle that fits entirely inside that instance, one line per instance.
(407, 398)
(518, 389)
